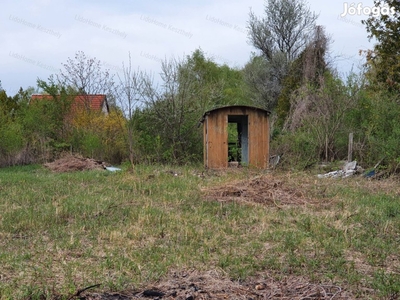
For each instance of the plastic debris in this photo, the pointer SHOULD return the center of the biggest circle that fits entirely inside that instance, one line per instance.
(112, 169)
(369, 174)
(349, 169)
(274, 160)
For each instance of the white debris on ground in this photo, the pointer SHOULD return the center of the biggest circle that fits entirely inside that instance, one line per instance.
(112, 169)
(349, 169)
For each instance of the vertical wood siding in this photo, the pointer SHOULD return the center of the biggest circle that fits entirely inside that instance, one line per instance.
(216, 136)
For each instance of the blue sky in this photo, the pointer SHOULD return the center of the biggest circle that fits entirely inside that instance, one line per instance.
(37, 36)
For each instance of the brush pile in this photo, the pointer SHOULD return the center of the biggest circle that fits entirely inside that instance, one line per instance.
(72, 163)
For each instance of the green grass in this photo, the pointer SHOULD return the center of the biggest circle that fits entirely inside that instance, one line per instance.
(63, 232)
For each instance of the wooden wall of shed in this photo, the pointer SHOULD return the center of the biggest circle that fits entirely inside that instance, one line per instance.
(258, 139)
(216, 137)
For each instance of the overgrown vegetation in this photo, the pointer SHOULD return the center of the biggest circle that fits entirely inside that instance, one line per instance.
(313, 109)
(62, 232)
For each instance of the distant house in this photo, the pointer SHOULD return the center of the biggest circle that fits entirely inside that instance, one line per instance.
(82, 102)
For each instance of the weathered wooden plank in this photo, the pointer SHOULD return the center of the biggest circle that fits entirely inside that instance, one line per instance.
(216, 135)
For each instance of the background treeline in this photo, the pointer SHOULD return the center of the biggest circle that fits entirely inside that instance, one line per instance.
(157, 121)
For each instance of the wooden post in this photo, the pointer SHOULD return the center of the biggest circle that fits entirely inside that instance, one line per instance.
(326, 148)
(350, 152)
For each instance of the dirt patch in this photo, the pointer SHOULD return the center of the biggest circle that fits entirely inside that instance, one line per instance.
(211, 285)
(71, 163)
(264, 189)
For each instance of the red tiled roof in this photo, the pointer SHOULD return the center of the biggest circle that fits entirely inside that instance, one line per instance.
(94, 102)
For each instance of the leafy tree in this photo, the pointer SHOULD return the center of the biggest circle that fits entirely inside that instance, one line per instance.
(175, 108)
(234, 87)
(6, 106)
(225, 84)
(57, 109)
(264, 79)
(375, 121)
(384, 60)
(12, 135)
(383, 131)
(9, 106)
(280, 36)
(381, 105)
(286, 27)
(172, 111)
(100, 136)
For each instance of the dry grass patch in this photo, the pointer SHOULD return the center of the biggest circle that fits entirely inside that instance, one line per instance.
(264, 189)
(290, 234)
(215, 284)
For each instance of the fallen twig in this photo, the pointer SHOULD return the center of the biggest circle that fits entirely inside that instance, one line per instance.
(78, 292)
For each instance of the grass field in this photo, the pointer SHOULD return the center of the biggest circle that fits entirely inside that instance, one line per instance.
(60, 232)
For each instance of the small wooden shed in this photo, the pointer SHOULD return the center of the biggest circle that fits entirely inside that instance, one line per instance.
(250, 144)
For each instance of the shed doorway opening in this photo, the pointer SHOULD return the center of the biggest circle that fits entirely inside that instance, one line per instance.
(238, 137)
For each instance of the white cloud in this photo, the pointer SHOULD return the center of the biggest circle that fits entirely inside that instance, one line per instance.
(48, 32)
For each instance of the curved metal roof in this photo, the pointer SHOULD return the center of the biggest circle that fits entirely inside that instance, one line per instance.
(234, 106)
